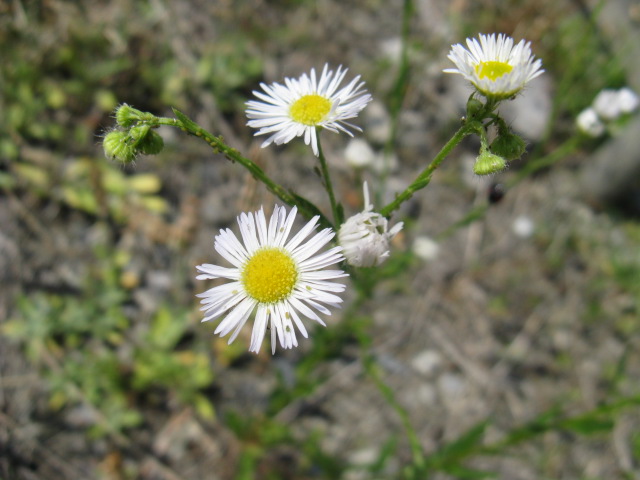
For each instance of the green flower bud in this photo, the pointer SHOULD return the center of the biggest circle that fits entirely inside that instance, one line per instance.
(488, 163)
(508, 145)
(127, 116)
(151, 144)
(138, 133)
(116, 146)
(473, 107)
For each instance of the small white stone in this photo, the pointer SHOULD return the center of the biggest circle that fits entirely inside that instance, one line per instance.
(427, 362)
(426, 248)
(451, 385)
(364, 456)
(359, 153)
(523, 226)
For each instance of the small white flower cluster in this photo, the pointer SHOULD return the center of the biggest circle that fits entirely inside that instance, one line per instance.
(608, 106)
(365, 237)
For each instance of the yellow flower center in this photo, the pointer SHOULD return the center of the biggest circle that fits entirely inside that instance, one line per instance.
(492, 69)
(310, 109)
(270, 275)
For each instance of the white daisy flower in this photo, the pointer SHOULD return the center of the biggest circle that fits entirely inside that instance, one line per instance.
(612, 104)
(280, 279)
(300, 105)
(628, 100)
(589, 123)
(606, 104)
(496, 67)
(365, 237)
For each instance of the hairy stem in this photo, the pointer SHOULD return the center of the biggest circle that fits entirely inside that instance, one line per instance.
(423, 179)
(187, 125)
(335, 208)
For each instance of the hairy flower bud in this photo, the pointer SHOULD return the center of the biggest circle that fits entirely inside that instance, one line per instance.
(116, 146)
(508, 145)
(126, 116)
(488, 163)
(151, 144)
(473, 107)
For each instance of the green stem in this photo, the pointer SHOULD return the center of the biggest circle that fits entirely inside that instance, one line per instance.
(338, 216)
(217, 143)
(424, 178)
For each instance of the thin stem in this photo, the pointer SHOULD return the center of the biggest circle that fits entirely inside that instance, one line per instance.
(338, 216)
(217, 143)
(424, 178)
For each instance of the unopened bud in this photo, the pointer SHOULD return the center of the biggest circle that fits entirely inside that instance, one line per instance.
(473, 107)
(151, 144)
(488, 163)
(116, 146)
(126, 116)
(508, 145)
(138, 133)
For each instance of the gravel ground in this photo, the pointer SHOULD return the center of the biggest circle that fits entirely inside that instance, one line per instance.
(511, 316)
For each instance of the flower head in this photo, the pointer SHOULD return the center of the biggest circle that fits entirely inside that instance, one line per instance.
(611, 104)
(365, 237)
(276, 277)
(628, 100)
(496, 67)
(606, 104)
(300, 105)
(589, 123)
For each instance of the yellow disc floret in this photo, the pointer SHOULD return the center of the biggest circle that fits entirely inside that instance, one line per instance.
(270, 275)
(310, 109)
(492, 69)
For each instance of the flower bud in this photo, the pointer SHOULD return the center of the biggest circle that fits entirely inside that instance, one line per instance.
(365, 237)
(473, 107)
(590, 124)
(138, 133)
(127, 116)
(488, 163)
(116, 146)
(151, 144)
(508, 145)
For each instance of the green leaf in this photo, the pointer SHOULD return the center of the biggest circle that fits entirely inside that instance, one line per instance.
(186, 121)
(588, 425)
(449, 454)
(463, 473)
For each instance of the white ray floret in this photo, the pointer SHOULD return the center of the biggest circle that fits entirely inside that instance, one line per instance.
(496, 67)
(301, 105)
(278, 278)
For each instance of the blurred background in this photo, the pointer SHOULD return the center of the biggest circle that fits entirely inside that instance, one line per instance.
(502, 333)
